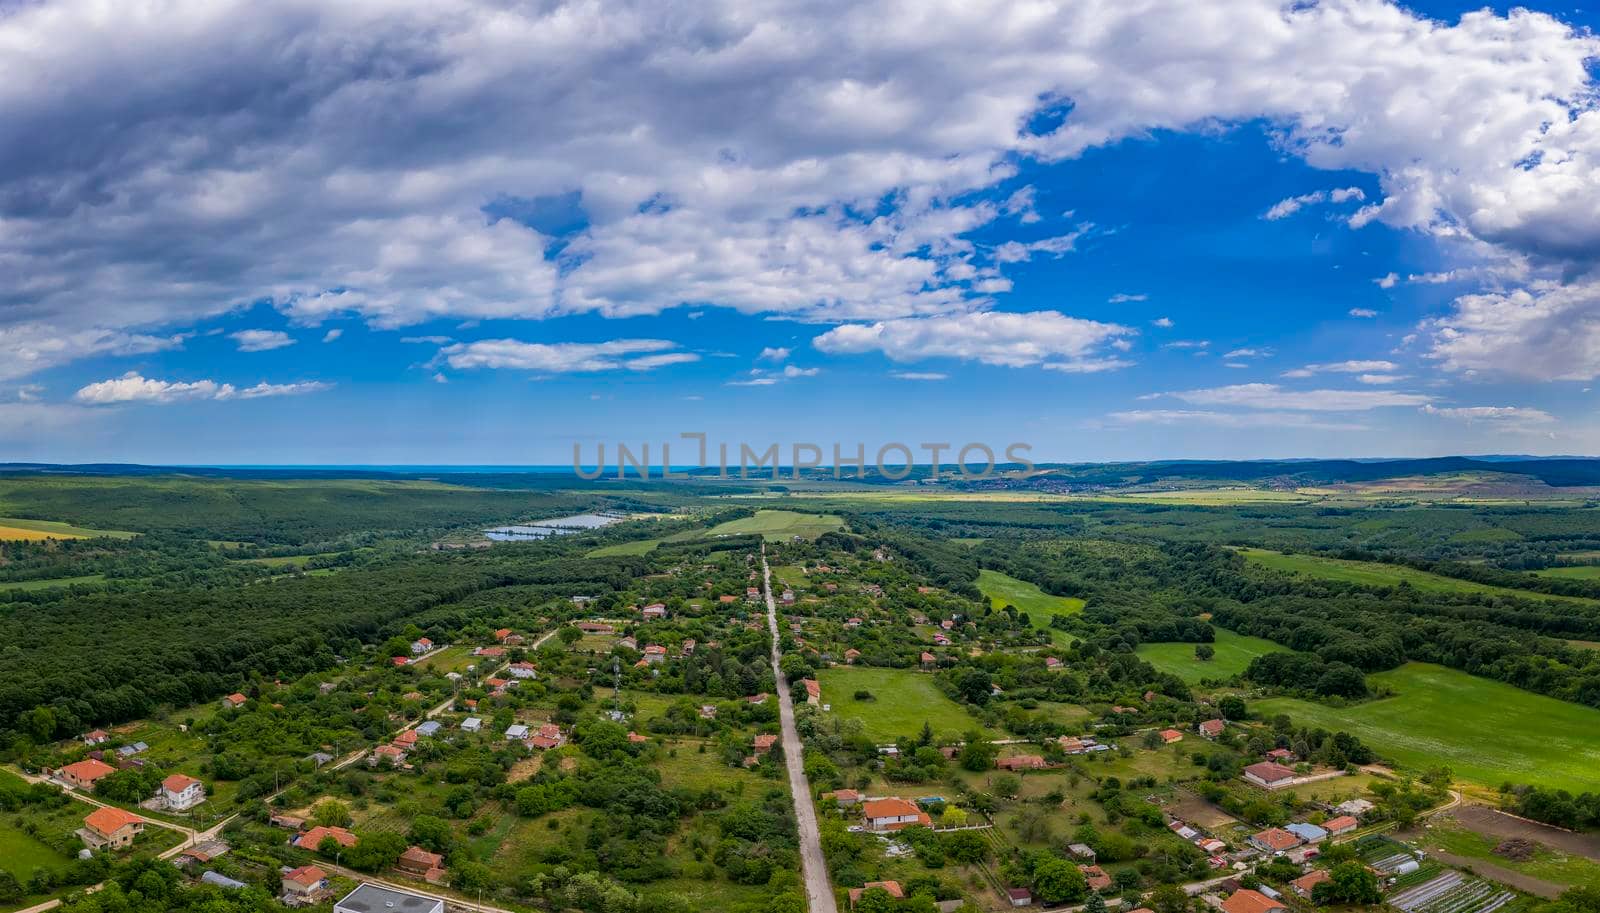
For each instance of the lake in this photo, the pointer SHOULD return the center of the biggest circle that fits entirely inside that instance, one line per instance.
(542, 529)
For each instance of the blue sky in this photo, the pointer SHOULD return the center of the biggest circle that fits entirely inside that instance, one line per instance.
(1327, 251)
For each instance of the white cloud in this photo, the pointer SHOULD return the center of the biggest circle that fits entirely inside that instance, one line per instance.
(427, 340)
(439, 378)
(1124, 297)
(1547, 332)
(754, 382)
(1187, 344)
(1229, 419)
(1292, 205)
(331, 335)
(1019, 252)
(919, 375)
(774, 353)
(135, 388)
(1509, 417)
(565, 357)
(1249, 353)
(1272, 396)
(1364, 312)
(1047, 338)
(1379, 379)
(1163, 322)
(826, 162)
(792, 371)
(1354, 366)
(261, 340)
(27, 348)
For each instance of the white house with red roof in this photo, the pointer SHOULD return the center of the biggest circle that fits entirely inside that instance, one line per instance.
(421, 645)
(892, 814)
(180, 792)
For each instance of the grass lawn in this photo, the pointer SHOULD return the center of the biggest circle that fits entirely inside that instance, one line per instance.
(1579, 572)
(1233, 653)
(1002, 590)
(34, 530)
(638, 547)
(1548, 864)
(1373, 573)
(454, 658)
(778, 524)
(1485, 731)
(904, 701)
(52, 582)
(20, 852)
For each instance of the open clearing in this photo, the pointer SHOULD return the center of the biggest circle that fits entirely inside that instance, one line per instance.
(903, 701)
(1579, 572)
(52, 582)
(1486, 732)
(779, 524)
(37, 530)
(1233, 653)
(1002, 590)
(639, 547)
(1373, 573)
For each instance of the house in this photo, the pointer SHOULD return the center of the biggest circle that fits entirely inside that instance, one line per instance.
(1050, 662)
(318, 758)
(655, 610)
(1211, 728)
(852, 654)
(371, 898)
(1355, 808)
(655, 654)
(234, 701)
(1019, 897)
(312, 839)
(1281, 755)
(1096, 877)
(757, 698)
(96, 737)
(108, 828)
(1212, 846)
(687, 648)
(595, 627)
(1269, 774)
(891, 887)
(787, 597)
(813, 691)
(708, 711)
(1168, 736)
(422, 864)
(491, 652)
(1021, 762)
(1248, 901)
(635, 738)
(727, 599)
(1310, 833)
(1307, 882)
(1081, 851)
(84, 774)
(515, 732)
(627, 642)
(892, 813)
(764, 742)
(927, 659)
(287, 822)
(204, 852)
(1343, 824)
(180, 792)
(421, 645)
(394, 754)
(1274, 840)
(1185, 831)
(844, 796)
(399, 661)
(502, 634)
(471, 724)
(751, 594)
(427, 728)
(305, 886)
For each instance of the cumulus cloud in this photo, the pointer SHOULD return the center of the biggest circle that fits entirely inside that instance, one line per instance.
(825, 161)
(1547, 332)
(1272, 396)
(1047, 338)
(135, 388)
(1288, 207)
(1163, 322)
(1249, 353)
(565, 357)
(1519, 415)
(261, 340)
(774, 353)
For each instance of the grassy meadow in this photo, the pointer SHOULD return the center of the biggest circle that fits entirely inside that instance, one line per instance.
(1486, 732)
(778, 524)
(1233, 653)
(903, 701)
(1373, 573)
(1577, 572)
(637, 547)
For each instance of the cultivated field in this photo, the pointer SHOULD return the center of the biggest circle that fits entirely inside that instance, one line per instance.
(1373, 573)
(778, 524)
(638, 547)
(903, 701)
(36, 530)
(1486, 732)
(1233, 653)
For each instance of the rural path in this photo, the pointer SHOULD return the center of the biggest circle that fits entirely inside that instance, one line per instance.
(819, 890)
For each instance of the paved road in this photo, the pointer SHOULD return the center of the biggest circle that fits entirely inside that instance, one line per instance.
(819, 890)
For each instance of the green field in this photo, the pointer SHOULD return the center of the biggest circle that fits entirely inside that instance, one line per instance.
(637, 547)
(778, 524)
(12, 528)
(1578, 572)
(904, 701)
(52, 582)
(1373, 573)
(1002, 590)
(20, 852)
(1485, 731)
(1233, 653)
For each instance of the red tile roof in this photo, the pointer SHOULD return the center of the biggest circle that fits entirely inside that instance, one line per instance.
(1269, 772)
(311, 839)
(177, 783)
(891, 807)
(1276, 838)
(107, 821)
(306, 876)
(88, 770)
(1248, 901)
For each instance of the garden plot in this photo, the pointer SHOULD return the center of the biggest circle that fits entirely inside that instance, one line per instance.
(1452, 892)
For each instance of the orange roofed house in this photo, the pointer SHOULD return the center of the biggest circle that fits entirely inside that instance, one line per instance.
(892, 888)
(84, 774)
(110, 829)
(421, 863)
(893, 813)
(305, 886)
(1248, 901)
(313, 838)
(180, 792)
